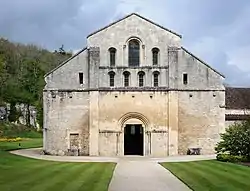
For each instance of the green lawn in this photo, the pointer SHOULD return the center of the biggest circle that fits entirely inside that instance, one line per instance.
(211, 175)
(20, 173)
(29, 143)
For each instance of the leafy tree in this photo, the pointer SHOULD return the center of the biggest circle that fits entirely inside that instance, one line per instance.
(22, 69)
(14, 114)
(61, 50)
(3, 77)
(236, 140)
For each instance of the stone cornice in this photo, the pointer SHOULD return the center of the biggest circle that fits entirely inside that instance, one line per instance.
(132, 67)
(132, 89)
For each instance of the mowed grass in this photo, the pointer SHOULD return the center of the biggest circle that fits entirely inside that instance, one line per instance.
(26, 143)
(211, 175)
(20, 173)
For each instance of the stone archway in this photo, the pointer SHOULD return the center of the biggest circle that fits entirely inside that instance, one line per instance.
(133, 117)
(140, 124)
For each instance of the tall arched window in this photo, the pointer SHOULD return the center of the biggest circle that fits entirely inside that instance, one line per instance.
(111, 79)
(156, 78)
(126, 78)
(112, 52)
(155, 54)
(141, 78)
(134, 53)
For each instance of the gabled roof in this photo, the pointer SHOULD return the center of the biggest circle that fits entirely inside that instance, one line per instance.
(237, 98)
(141, 18)
(64, 62)
(203, 62)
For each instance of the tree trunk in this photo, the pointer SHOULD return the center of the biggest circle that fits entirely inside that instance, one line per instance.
(28, 115)
(12, 117)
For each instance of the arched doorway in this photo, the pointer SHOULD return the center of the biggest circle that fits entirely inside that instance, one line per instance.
(133, 139)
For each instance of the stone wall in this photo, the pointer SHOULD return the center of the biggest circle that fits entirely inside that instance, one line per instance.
(148, 34)
(65, 113)
(200, 122)
(199, 75)
(153, 106)
(175, 116)
(134, 82)
(67, 75)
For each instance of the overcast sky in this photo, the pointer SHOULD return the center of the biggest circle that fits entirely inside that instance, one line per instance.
(217, 31)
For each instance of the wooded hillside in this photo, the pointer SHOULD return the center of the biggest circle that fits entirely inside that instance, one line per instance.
(22, 69)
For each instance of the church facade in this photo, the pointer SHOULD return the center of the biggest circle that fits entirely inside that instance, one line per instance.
(133, 91)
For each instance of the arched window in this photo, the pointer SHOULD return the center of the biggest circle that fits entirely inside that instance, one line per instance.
(126, 78)
(112, 52)
(156, 78)
(111, 79)
(141, 78)
(155, 54)
(134, 53)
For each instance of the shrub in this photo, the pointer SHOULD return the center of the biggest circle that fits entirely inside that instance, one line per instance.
(231, 158)
(10, 139)
(235, 141)
(12, 130)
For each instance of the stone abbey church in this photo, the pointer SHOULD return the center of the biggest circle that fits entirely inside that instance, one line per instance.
(134, 90)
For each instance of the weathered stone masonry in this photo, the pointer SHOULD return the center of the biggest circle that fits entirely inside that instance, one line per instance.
(89, 118)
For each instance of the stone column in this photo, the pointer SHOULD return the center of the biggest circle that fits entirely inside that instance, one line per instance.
(173, 123)
(94, 123)
(173, 61)
(94, 62)
(45, 119)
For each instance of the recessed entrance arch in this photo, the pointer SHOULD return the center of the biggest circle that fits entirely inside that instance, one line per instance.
(134, 140)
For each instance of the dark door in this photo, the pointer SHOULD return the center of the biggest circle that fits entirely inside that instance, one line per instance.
(133, 140)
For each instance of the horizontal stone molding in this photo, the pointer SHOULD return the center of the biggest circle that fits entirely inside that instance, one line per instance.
(119, 132)
(133, 67)
(139, 89)
(109, 131)
(157, 131)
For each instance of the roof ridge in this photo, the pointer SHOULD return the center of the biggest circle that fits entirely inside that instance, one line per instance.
(65, 61)
(238, 87)
(203, 62)
(138, 15)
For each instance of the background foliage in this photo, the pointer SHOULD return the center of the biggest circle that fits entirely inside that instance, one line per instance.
(22, 70)
(236, 140)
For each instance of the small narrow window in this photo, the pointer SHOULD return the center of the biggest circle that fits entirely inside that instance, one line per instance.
(111, 79)
(112, 53)
(126, 78)
(81, 78)
(156, 79)
(185, 79)
(141, 78)
(155, 54)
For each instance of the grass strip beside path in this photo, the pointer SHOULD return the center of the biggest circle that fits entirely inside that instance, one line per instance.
(211, 175)
(20, 173)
